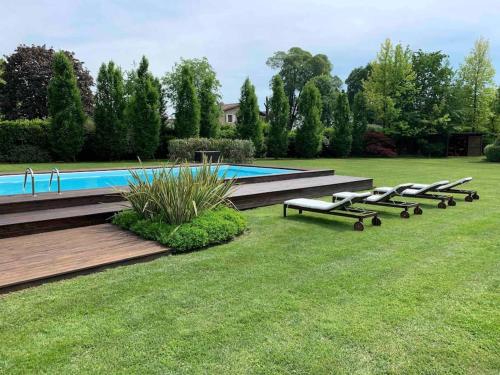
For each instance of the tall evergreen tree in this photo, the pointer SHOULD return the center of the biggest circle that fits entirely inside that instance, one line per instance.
(309, 133)
(329, 87)
(66, 110)
(109, 113)
(209, 110)
(475, 80)
(248, 123)
(342, 139)
(359, 122)
(143, 113)
(187, 109)
(278, 119)
(355, 81)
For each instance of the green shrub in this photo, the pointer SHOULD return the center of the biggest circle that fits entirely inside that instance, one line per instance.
(232, 150)
(227, 131)
(177, 195)
(209, 228)
(24, 141)
(492, 152)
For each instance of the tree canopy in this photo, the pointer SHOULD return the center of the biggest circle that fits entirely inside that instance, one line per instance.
(278, 119)
(248, 123)
(309, 132)
(187, 108)
(355, 80)
(209, 110)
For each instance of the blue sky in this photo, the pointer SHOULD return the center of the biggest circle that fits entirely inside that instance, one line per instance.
(238, 36)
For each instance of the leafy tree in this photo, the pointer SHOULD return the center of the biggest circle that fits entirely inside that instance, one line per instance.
(202, 73)
(296, 68)
(359, 123)
(355, 81)
(342, 139)
(2, 71)
(390, 86)
(431, 101)
(209, 110)
(65, 109)
(329, 88)
(142, 111)
(309, 133)
(27, 73)
(109, 113)
(278, 119)
(475, 82)
(248, 123)
(187, 109)
(494, 126)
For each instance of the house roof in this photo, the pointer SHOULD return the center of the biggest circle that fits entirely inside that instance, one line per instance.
(229, 106)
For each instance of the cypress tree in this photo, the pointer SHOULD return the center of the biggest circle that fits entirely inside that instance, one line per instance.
(278, 119)
(308, 138)
(209, 110)
(143, 112)
(187, 110)
(109, 113)
(248, 123)
(65, 109)
(342, 139)
(360, 122)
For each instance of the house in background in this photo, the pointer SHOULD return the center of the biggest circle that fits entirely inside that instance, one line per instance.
(230, 111)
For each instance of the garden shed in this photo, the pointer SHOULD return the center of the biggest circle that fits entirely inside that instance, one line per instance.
(465, 144)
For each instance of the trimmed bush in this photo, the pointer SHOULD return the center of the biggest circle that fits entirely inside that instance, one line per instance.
(24, 141)
(492, 152)
(379, 144)
(209, 228)
(232, 150)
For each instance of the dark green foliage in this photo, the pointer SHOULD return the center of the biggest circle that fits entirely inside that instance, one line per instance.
(342, 140)
(431, 149)
(65, 109)
(187, 109)
(27, 73)
(227, 131)
(232, 150)
(359, 123)
(142, 112)
(296, 68)
(209, 110)
(24, 141)
(109, 113)
(277, 141)
(309, 134)
(355, 81)
(210, 228)
(249, 124)
(329, 88)
(492, 152)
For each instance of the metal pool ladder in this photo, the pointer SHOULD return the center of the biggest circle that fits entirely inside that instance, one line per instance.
(56, 171)
(30, 171)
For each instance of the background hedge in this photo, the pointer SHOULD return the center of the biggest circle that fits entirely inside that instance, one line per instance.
(23, 141)
(492, 152)
(232, 150)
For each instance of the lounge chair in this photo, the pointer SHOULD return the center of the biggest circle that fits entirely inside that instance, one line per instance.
(339, 208)
(449, 188)
(423, 192)
(385, 199)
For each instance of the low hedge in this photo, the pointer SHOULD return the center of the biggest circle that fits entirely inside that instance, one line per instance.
(492, 152)
(210, 228)
(232, 150)
(23, 141)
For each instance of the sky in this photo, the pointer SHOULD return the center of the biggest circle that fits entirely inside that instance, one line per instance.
(237, 37)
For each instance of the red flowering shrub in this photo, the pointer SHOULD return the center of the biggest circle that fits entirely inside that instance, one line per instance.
(379, 144)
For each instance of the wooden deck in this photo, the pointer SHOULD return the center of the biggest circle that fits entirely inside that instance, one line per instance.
(28, 259)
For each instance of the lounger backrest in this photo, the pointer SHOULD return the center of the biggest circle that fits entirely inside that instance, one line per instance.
(431, 187)
(349, 199)
(455, 183)
(396, 190)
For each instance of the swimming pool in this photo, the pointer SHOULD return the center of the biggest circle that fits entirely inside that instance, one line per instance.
(13, 184)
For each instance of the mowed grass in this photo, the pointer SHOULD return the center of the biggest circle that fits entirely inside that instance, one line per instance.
(304, 294)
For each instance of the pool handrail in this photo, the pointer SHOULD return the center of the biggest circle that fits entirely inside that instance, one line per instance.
(30, 171)
(58, 180)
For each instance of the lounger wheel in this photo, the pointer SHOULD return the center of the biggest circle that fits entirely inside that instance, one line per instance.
(358, 226)
(452, 202)
(376, 221)
(442, 205)
(417, 211)
(404, 214)
(475, 196)
(469, 198)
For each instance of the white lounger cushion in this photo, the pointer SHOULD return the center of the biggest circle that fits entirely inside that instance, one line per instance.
(444, 187)
(413, 190)
(312, 204)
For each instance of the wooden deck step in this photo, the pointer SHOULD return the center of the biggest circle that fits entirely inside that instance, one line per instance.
(24, 223)
(40, 256)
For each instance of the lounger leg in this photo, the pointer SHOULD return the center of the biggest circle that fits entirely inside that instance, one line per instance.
(475, 195)
(358, 225)
(469, 198)
(451, 202)
(300, 212)
(376, 221)
(417, 211)
(442, 204)
(284, 210)
(405, 214)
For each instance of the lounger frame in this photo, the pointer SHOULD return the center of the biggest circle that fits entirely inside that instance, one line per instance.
(344, 211)
(396, 204)
(470, 194)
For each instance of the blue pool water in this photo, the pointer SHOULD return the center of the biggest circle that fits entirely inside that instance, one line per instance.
(13, 184)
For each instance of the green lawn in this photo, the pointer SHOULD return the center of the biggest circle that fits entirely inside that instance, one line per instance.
(297, 295)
